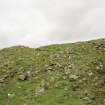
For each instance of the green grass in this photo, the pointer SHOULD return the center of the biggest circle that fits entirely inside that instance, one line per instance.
(49, 63)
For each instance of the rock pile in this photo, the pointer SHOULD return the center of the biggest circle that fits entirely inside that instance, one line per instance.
(100, 47)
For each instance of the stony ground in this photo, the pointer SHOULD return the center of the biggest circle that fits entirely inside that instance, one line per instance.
(67, 74)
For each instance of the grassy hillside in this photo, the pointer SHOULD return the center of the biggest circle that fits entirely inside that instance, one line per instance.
(67, 74)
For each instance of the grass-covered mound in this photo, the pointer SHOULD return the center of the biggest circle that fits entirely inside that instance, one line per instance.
(67, 74)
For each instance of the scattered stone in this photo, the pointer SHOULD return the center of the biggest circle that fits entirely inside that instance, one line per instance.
(5, 76)
(88, 96)
(50, 68)
(23, 77)
(2, 80)
(54, 56)
(90, 74)
(52, 79)
(46, 66)
(92, 97)
(95, 80)
(95, 84)
(11, 95)
(11, 74)
(49, 72)
(66, 88)
(74, 77)
(24, 104)
(28, 73)
(69, 51)
(98, 68)
(86, 92)
(58, 65)
(64, 77)
(100, 46)
(67, 71)
(39, 91)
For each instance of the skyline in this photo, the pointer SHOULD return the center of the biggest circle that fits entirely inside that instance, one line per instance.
(36, 23)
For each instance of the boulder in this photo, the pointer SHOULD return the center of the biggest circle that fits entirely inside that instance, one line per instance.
(44, 85)
(100, 46)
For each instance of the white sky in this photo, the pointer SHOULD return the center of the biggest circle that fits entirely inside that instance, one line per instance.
(39, 22)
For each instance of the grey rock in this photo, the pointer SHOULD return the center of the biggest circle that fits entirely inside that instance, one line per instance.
(39, 91)
(11, 95)
(86, 98)
(2, 80)
(89, 95)
(23, 77)
(74, 77)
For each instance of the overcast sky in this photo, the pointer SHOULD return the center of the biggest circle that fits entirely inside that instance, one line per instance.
(39, 22)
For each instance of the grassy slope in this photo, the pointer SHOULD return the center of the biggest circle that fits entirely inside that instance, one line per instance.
(78, 58)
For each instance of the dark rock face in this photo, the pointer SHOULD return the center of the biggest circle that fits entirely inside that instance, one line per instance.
(74, 77)
(39, 91)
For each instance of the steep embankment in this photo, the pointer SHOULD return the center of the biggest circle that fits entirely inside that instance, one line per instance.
(67, 74)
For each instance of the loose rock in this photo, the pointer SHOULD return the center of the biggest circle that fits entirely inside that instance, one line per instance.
(2, 80)
(39, 91)
(74, 77)
(11, 95)
(23, 77)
